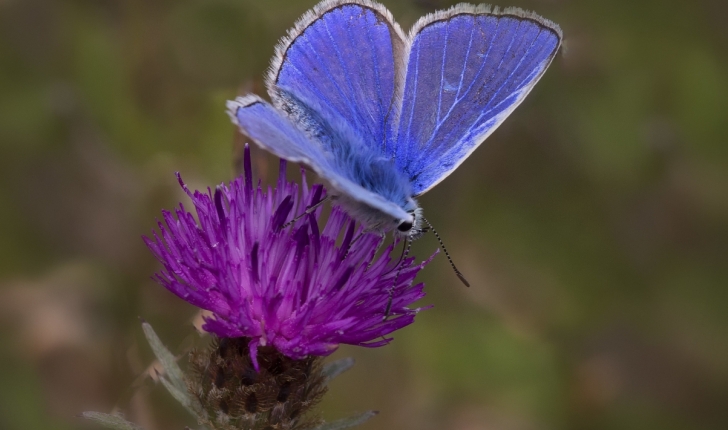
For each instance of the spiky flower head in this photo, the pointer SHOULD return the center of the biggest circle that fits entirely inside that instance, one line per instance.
(291, 287)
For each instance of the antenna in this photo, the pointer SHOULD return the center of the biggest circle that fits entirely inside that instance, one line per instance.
(454, 268)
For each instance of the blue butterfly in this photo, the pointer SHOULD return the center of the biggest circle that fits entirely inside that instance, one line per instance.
(383, 116)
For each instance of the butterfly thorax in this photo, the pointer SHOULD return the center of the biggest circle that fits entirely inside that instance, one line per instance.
(378, 222)
(378, 174)
(359, 158)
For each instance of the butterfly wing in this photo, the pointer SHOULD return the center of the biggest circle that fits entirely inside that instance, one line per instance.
(348, 55)
(468, 68)
(273, 132)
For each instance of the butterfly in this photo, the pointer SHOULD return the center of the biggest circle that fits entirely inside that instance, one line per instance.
(384, 116)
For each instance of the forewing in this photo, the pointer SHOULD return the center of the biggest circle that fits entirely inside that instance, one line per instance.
(468, 68)
(273, 132)
(349, 57)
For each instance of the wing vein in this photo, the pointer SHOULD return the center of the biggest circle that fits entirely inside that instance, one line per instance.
(326, 70)
(378, 82)
(474, 124)
(510, 75)
(346, 71)
(414, 99)
(465, 65)
(325, 101)
(505, 81)
(475, 78)
(482, 65)
(442, 74)
(505, 54)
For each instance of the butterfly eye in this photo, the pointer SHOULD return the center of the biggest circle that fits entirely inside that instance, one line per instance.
(404, 226)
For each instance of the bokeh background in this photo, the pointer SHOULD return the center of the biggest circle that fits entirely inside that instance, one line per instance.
(593, 225)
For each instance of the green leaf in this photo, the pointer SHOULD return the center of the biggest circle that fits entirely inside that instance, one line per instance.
(173, 379)
(336, 368)
(166, 358)
(184, 398)
(116, 422)
(347, 422)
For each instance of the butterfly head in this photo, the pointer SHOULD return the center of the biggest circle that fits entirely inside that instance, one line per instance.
(412, 226)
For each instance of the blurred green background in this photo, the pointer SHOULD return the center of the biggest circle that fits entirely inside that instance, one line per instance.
(593, 225)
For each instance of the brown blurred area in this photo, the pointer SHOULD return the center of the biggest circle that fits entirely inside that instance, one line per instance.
(593, 225)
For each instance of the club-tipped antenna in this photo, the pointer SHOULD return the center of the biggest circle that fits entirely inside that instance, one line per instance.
(306, 212)
(442, 245)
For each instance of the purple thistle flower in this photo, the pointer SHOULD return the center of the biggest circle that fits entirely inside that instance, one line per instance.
(290, 287)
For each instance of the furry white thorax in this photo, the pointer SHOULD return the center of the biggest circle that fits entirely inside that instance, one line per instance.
(416, 231)
(378, 222)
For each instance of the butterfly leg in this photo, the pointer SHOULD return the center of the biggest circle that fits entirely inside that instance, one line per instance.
(359, 236)
(379, 246)
(308, 210)
(399, 260)
(405, 252)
